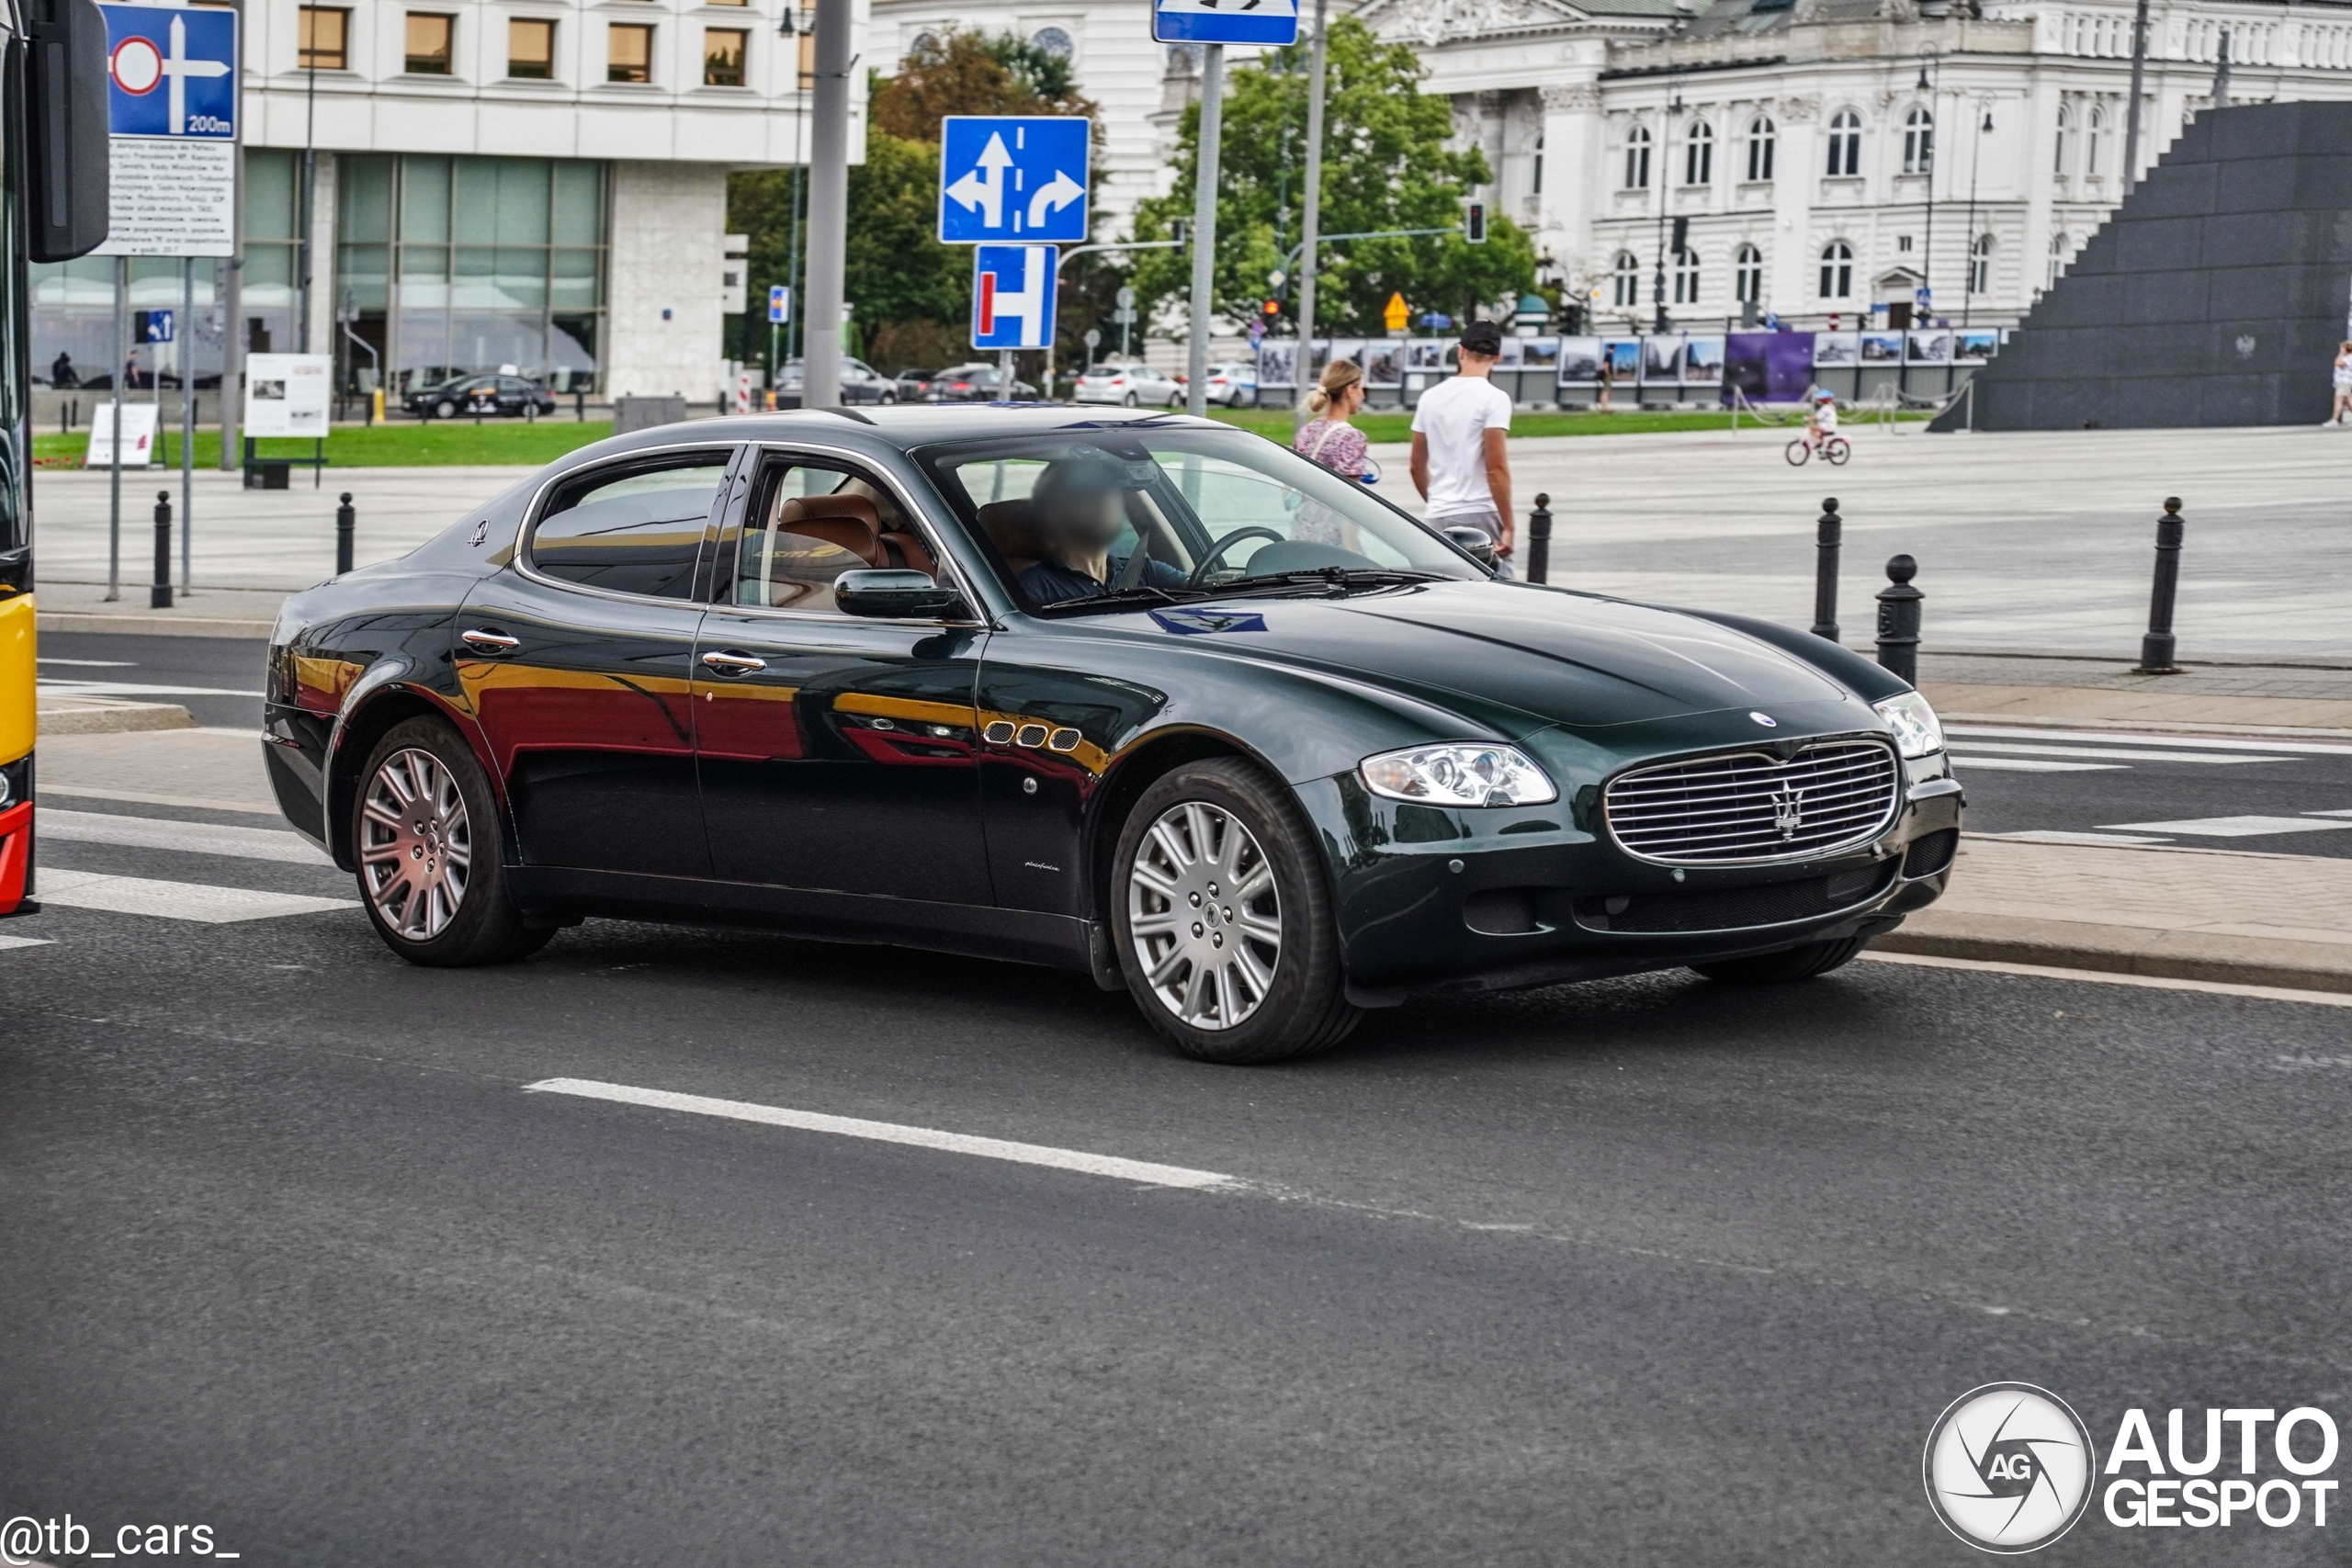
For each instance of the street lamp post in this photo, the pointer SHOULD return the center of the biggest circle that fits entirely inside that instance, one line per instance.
(1976, 158)
(1665, 151)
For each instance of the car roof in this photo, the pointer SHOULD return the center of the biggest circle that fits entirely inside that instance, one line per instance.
(903, 426)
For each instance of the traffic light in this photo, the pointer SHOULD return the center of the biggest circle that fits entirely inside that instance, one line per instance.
(1474, 223)
(1183, 232)
(1273, 307)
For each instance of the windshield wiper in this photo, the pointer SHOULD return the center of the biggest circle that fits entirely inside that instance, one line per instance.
(1339, 581)
(1123, 599)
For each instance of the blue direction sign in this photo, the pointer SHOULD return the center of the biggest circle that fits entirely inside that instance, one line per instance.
(1012, 177)
(1270, 22)
(159, 325)
(1012, 296)
(170, 71)
(779, 304)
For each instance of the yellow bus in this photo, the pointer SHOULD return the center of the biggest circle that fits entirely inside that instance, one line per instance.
(53, 195)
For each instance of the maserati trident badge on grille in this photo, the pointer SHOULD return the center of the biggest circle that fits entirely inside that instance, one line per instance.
(1766, 720)
(1787, 811)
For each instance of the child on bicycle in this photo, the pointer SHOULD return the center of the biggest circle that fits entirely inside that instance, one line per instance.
(1821, 419)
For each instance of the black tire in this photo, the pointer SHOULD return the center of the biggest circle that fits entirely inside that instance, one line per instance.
(1790, 963)
(485, 926)
(1128, 401)
(1303, 1008)
(444, 409)
(1837, 451)
(1796, 452)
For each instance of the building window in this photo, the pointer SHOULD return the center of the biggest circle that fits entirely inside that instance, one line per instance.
(1845, 144)
(1747, 275)
(1980, 265)
(458, 265)
(2095, 145)
(1638, 158)
(722, 56)
(1626, 280)
(2058, 143)
(428, 44)
(1699, 155)
(325, 32)
(628, 52)
(1053, 42)
(530, 49)
(1761, 137)
(1918, 140)
(1538, 177)
(2057, 261)
(1838, 271)
(1686, 277)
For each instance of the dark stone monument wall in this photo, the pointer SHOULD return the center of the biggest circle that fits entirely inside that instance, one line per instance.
(2216, 294)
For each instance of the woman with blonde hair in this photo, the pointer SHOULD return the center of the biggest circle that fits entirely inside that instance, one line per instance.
(1329, 438)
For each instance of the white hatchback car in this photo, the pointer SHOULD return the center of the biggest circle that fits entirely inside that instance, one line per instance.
(1232, 383)
(1132, 385)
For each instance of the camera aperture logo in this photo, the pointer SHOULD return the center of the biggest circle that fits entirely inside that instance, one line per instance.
(2008, 1466)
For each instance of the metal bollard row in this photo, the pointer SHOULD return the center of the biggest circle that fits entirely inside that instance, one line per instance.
(1539, 540)
(344, 517)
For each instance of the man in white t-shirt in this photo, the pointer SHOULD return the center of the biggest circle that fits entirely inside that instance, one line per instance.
(1460, 428)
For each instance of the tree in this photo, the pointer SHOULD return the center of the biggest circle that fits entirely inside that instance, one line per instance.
(1386, 165)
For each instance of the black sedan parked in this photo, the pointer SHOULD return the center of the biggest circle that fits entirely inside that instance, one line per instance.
(861, 383)
(509, 395)
(975, 383)
(1146, 697)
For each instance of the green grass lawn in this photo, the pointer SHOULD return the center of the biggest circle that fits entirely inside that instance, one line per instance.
(442, 442)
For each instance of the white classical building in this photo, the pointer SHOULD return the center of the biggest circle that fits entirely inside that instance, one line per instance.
(534, 183)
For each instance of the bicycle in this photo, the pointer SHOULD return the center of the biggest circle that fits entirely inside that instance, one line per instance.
(1834, 451)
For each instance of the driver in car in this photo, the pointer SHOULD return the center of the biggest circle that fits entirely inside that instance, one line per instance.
(1080, 504)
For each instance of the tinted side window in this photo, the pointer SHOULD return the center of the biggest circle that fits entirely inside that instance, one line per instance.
(638, 531)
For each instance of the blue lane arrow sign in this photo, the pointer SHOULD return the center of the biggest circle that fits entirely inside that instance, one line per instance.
(1006, 178)
(1012, 296)
(1269, 22)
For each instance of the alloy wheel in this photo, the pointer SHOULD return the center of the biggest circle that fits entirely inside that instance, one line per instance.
(415, 845)
(1204, 915)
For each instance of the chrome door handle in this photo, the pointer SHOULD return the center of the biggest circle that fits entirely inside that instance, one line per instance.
(489, 641)
(733, 664)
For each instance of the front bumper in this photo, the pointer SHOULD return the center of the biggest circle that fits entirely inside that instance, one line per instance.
(1434, 900)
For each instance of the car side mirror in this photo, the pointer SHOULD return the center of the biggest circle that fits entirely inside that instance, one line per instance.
(67, 158)
(1474, 540)
(894, 594)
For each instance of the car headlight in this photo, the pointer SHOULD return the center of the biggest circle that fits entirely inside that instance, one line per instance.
(1458, 775)
(1916, 729)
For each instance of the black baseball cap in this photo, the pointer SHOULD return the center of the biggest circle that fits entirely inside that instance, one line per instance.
(1483, 337)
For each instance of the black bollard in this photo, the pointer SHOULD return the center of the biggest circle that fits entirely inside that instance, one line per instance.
(579, 406)
(1829, 534)
(2156, 648)
(343, 519)
(1539, 540)
(1898, 620)
(159, 595)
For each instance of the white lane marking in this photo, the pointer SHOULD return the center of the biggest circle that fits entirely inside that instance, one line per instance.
(889, 1133)
(2016, 748)
(2344, 813)
(174, 900)
(2232, 827)
(2054, 836)
(91, 663)
(145, 797)
(193, 838)
(9, 942)
(136, 689)
(2108, 978)
(2127, 737)
(2036, 765)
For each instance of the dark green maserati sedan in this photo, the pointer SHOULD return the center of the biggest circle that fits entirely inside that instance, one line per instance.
(1140, 695)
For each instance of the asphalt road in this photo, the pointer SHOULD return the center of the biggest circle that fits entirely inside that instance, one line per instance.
(1653, 1272)
(218, 680)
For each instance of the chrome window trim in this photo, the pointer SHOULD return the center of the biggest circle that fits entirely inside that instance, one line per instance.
(528, 534)
(1898, 798)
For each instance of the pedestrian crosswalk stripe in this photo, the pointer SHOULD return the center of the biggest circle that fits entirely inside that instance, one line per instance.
(2140, 737)
(2019, 749)
(8, 942)
(2232, 827)
(195, 838)
(2034, 765)
(174, 901)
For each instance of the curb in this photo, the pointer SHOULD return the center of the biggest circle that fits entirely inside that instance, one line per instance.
(2127, 953)
(114, 718)
(148, 625)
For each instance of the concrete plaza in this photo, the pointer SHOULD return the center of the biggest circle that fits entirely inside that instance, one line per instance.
(2032, 541)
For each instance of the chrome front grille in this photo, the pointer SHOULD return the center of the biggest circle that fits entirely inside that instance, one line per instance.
(1750, 806)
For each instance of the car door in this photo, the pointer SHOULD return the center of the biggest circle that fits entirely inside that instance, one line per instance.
(838, 754)
(577, 660)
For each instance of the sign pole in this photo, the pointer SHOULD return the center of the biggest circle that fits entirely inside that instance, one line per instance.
(1197, 357)
(821, 333)
(114, 447)
(186, 330)
(1314, 214)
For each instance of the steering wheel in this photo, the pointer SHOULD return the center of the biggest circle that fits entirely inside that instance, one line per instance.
(1217, 551)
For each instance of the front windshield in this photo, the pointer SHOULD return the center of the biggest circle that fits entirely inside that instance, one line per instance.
(1175, 511)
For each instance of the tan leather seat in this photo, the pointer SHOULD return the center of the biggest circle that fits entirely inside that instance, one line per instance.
(1012, 527)
(846, 521)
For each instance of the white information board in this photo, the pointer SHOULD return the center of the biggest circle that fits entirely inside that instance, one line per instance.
(287, 394)
(137, 432)
(171, 198)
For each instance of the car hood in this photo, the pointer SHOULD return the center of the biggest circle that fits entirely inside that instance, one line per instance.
(1553, 657)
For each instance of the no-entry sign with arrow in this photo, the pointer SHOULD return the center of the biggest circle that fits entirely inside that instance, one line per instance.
(1013, 178)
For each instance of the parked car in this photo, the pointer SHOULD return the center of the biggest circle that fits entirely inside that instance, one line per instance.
(861, 383)
(914, 385)
(510, 396)
(843, 678)
(1232, 383)
(1131, 385)
(977, 383)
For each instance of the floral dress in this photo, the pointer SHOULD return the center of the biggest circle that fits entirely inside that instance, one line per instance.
(1340, 448)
